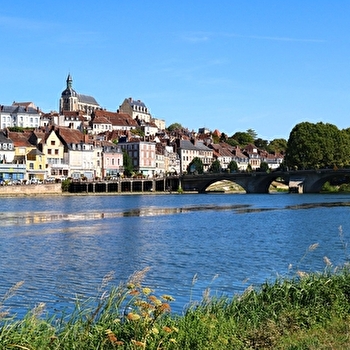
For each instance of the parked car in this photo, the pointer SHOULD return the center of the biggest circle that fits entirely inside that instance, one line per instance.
(35, 181)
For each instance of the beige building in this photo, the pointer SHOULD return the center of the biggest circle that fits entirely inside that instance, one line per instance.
(72, 101)
(190, 149)
(136, 109)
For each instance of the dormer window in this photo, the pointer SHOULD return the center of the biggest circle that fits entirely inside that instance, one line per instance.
(10, 146)
(4, 146)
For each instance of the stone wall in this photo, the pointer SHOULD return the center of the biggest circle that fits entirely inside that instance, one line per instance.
(30, 190)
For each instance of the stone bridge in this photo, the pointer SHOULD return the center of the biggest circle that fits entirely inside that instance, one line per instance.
(301, 181)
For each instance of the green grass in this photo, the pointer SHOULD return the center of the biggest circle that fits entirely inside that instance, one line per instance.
(307, 311)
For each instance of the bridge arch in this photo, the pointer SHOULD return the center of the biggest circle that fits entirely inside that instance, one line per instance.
(314, 183)
(251, 182)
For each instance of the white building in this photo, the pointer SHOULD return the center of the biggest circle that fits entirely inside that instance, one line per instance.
(18, 115)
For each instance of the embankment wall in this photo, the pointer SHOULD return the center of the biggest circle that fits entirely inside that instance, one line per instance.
(31, 190)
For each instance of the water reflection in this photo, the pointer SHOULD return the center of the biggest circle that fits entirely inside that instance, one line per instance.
(31, 218)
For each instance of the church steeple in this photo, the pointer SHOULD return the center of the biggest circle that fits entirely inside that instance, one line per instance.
(69, 81)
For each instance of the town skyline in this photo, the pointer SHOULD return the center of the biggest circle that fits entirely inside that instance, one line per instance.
(230, 66)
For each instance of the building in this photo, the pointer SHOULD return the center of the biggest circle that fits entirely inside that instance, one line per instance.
(10, 168)
(190, 149)
(48, 142)
(102, 121)
(142, 154)
(78, 153)
(22, 115)
(136, 109)
(112, 159)
(73, 102)
(29, 155)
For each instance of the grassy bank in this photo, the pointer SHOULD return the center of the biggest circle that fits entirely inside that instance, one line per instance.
(304, 312)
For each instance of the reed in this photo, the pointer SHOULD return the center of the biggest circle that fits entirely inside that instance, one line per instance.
(306, 311)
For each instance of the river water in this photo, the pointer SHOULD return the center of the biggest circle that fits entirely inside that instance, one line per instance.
(62, 247)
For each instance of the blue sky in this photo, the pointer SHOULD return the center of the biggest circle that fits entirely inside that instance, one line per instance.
(225, 64)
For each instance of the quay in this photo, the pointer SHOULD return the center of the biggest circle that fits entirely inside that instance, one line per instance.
(127, 185)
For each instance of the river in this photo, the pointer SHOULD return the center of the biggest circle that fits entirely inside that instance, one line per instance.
(62, 247)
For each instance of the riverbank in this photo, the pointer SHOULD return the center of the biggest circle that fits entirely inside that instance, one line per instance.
(305, 312)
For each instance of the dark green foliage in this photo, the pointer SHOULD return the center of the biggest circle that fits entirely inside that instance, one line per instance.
(277, 146)
(261, 144)
(243, 138)
(232, 142)
(264, 166)
(174, 126)
(232, 166)
(313, 146)
(127, 164)
(65, 185)
(215, 167)
(196, 166)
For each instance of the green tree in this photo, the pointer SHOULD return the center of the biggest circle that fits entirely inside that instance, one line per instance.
(223, 137)
(216, 139)
(196, 166)
(312, 146)
(232, 142)
(127, 164)
(137, 131)
(174, 126)
(277, 146)
(261, 144)
(264, 167)
(243, 138)
(232, 166)
(215, 167)
(252, 133)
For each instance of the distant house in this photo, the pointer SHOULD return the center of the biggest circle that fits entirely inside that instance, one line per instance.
(102, 121)
(190, 149)
(10, 167)
(149, 129)
(223, 154)
(18, 115)
(254, 156)
(30, 155)
(36, 164)
(78, 153)
(48, 142)
(143, 155)
(112, 159)
(136, 109)
(274, 161)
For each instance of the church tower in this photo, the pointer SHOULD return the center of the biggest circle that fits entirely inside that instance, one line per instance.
(69, 98)
(71, 101)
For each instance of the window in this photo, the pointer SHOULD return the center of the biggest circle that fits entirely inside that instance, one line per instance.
(49, 151)
(52, 142)
(31, 166)
(56, 152)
